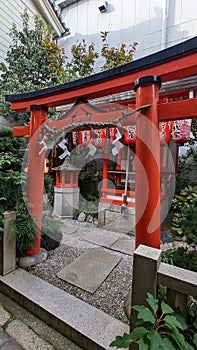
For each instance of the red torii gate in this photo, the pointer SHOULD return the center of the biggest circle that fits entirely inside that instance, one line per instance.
(145, 76)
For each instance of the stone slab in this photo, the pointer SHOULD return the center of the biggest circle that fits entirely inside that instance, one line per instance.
(26, 337)
(40, 328)
(68, 229)
(90, 269)
(87, 326)
(4, 316)
(104, 239)
(124, 245)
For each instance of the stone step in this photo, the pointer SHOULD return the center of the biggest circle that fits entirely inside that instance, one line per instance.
(87, 326)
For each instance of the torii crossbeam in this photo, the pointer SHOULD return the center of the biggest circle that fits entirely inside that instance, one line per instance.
(145, 75)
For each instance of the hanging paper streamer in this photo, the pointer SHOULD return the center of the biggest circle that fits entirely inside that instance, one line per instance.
(99, 138)
(181, 130)
(63, 146)
(85, 137)
(42, 142)
(164, 131)
(92, 150)
(130, 134)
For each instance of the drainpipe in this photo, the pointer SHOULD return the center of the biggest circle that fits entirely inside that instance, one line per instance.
(164, 24)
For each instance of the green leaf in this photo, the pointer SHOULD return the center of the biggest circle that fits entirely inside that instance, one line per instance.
(152, 302)
(166, 309)
(168, 345)
(195, 339)
(178, 339)
(144, 313)
(122, 341)
(172, 322)
(142, 345)
(138, 332)
(180, 319)
(155, 340)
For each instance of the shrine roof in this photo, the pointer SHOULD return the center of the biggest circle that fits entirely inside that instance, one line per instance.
(66, 166)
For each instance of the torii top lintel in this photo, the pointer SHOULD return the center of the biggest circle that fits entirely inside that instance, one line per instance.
(173, 63)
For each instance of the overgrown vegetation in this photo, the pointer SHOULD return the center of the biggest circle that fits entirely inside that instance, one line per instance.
(33, 61)
(51, 232)
(116, 56)
(185, 218)
(181, 257)
(187, 169)
(159, 327)
(82, 61)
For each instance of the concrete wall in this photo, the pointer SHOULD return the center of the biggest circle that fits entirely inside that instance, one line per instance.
(131, 20)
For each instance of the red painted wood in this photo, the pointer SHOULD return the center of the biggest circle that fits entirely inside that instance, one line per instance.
(175, 110)
(171, 70)
(35, 183)
(147, 186)
(21, 130)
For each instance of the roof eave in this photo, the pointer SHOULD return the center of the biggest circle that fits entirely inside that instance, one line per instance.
(47, 11)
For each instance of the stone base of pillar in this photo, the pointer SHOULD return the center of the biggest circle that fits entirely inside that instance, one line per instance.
(66, 201)
(27, 261)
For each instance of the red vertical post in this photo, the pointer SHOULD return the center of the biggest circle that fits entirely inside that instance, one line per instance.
(147, 163)
(35, 182)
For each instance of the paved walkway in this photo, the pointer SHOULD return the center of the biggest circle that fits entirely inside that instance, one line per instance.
(21, 330)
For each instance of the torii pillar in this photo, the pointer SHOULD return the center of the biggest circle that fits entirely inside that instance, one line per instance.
(147, 193)
(35, 181)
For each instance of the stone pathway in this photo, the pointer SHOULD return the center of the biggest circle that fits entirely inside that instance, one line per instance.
(88, 236)
(20, 330)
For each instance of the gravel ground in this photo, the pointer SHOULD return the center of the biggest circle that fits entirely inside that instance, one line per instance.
(110, 296)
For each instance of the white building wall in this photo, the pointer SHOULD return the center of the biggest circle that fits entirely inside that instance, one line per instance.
(10, 12)
(127, 21)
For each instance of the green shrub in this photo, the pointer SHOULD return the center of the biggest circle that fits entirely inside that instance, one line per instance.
(185, 222)
(158, 327)
(185, 218)
(49, 184)
(24, 230)
(181, 257)
(186, 196)
(51, 235)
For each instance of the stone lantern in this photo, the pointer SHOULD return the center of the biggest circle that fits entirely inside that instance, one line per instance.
(66, 190)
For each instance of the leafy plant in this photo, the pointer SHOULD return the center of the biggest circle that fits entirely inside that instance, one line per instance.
(186, 196)
(184, 219)
(24, 230)
(88, 206)
(10, 171)
(82, 60)
(181, 257)
(49, 183)
(159, 327)
(33, 61)
(114, 56)
(185, 222)
(51, 234)
(187, 164)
